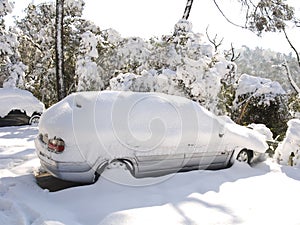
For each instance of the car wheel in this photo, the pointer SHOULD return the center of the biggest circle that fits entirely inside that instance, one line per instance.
(34, 120)
(244, 156)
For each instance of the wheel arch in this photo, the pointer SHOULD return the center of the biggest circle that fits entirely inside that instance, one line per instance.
(100, 168)
(129, 163)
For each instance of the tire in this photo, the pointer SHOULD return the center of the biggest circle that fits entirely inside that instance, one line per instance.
(244, 156)
(34, 120)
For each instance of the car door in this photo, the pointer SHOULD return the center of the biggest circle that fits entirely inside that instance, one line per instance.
(158, 164)
(202, 157)
(210, 151)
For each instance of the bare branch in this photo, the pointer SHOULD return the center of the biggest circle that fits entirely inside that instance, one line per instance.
(233, 56)
(292, 46)
(214, 41)
(223, 14)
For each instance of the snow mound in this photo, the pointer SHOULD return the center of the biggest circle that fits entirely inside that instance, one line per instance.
(290, 145)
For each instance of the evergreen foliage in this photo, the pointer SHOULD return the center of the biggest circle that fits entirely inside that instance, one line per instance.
(11, 67)
(37, 47)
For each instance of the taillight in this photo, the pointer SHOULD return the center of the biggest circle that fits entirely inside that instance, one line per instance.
(56, 145)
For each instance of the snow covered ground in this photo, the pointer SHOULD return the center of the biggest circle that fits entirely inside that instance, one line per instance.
(266, 193)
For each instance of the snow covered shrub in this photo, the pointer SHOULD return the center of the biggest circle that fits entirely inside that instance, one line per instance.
(119, 55)
(288, 151)
(260, 100)
(149, 81)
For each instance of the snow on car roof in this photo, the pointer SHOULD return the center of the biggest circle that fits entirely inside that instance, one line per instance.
(13, 98)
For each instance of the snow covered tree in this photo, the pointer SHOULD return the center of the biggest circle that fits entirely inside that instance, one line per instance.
(37, 46)
(11, 67)
(263, 15)
(108, 60)
(87, 71)
(267, 64)
(120, 55)
(37, 43)
(181, 64)
(270, 16)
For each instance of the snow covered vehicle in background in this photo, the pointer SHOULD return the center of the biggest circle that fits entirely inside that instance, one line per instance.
(152, 134)
(19, 107)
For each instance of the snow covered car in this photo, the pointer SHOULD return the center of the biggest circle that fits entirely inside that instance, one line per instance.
(150, 133)
(19, 107)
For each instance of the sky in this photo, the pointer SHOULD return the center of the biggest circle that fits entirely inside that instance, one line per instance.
(156, 17)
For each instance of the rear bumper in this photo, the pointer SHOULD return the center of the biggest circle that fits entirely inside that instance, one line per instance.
(72, 171)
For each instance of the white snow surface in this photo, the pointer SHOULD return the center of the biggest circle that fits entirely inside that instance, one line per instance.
(13, 98)
(266, 193)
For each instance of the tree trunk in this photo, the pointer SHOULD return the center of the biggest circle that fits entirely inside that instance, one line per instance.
(187, 10)
(290, 78)
(59, 50)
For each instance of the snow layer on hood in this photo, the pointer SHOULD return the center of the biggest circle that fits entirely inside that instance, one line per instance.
(291, 143)
(126, 123)
(13, 98)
